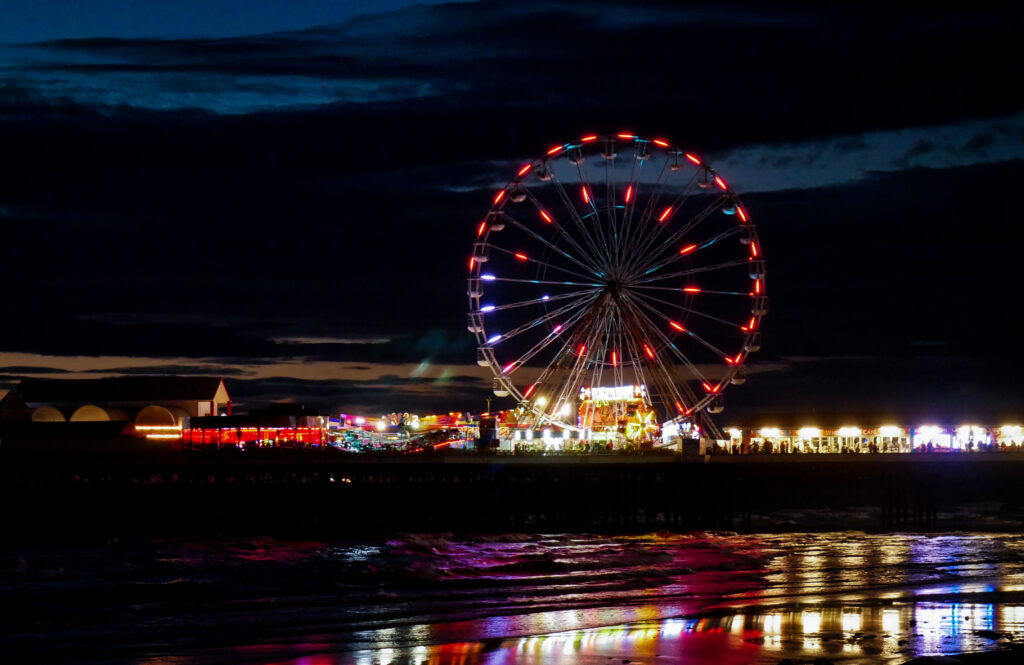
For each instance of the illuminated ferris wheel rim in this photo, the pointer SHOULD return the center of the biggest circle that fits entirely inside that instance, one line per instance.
(597, 271)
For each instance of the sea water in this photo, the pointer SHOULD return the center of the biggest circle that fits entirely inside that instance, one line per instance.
(441, 598)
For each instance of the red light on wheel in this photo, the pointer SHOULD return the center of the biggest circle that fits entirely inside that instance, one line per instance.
(664, 214)
(691, 289)
(629, 193)
(721, 183)
(731, 361)
(472, 262)
(649, 352)
(753, 249)
(661, 142)
(499, 197)
(547, 217)
(588, 139)
(687, 249)
(525, 169)
(753, 323)
(615, 359)
(693, 159)
(742, 213)
(757, 286)
(586, 195)
(480, 230)
(529, 391)
(581, 350)
(627, 136)
(521, 257)
(557, 148)
(680, 409)
(677, 326)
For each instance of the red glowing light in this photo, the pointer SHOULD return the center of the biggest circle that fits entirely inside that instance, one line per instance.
(629, 193)
(663, 144)
(677, 326)
(742, 213)
(558, 328)
(707, 386)
(588, 139)
(586, 195)
(481, 229)
(582, 350)
(508, 367)
(687, 249)
(679, 407)
(753, 249)
(529, 391)
(648, 351)
(521, 257)
(626, 136)
(753, 323)
(664, 214)
(615, 359)
(472, 262)
(691, 289)
(524, 169)
(554, 150)
(732, 361)
(693, 159)
(720, 182)
(547, 217)
(499, 197)
(757, 286)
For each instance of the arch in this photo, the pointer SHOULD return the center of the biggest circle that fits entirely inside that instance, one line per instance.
(91, 413)
(48, 414)
(155, 416)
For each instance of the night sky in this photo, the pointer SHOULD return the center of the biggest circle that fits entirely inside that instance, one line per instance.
(285, 193)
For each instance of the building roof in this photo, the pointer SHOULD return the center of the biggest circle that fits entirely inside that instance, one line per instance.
(120, 389)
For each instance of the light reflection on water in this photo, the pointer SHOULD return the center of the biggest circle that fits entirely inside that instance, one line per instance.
(882, 634)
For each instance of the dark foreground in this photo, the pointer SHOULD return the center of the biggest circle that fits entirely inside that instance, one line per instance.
(697, 598)
(307, 494)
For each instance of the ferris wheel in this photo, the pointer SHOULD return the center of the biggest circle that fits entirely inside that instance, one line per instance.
(616, 262)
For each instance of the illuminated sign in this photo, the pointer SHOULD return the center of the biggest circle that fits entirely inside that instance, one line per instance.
(613, 393)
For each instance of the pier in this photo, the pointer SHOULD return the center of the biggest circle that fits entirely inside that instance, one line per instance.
(318, 494)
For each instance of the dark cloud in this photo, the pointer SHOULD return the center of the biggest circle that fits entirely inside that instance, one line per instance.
(202, 198)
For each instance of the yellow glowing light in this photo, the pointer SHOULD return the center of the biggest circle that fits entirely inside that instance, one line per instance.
(849, 431)
(808, 432)
(929, 430)
(1011, 430)
(541, 401)
(735, 433)
(891, 621)
(158, 427)
(811, 622)
(773, 623)
(163, 436)
(770, 431)
(851, 622)
(890, 430)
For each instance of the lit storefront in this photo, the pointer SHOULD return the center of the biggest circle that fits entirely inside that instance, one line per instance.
(249, 431)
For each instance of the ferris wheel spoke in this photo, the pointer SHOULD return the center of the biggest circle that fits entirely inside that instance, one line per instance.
(542, 300)
(550, 219)
(647, 215)
(668, 245)
(691, 271)
(660, 334)
(519, 362)
(652, 237)
(597, 250)
(691, 310)
(690, 250)
(545, 318)
(703, 292)
(544, 241)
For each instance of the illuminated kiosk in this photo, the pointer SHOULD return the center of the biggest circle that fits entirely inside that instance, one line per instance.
(617, 415)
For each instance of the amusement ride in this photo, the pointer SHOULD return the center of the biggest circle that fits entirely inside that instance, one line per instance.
(616, 284)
